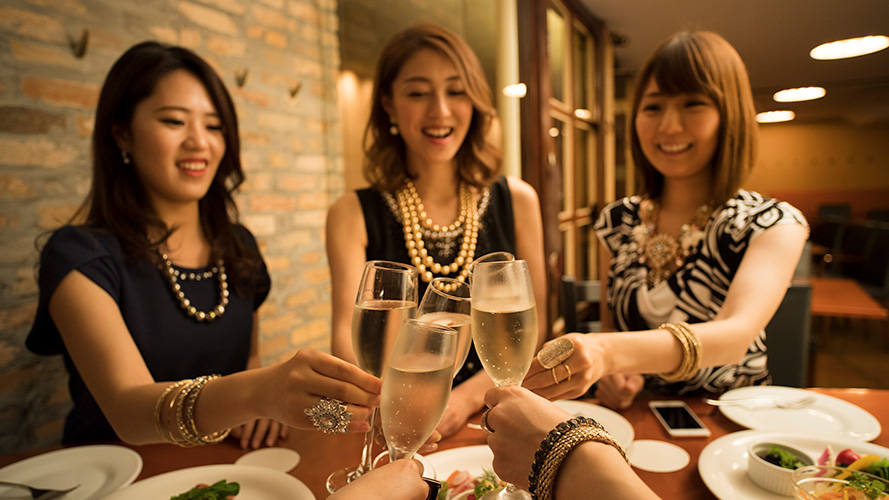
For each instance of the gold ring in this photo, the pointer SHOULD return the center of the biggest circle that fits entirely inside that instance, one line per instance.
(569, 372)
(485, 426)
(555, 352)
(555, 378)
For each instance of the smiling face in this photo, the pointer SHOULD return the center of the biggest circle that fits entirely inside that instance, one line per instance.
(431, 109)
(175, 140)
(678, 133)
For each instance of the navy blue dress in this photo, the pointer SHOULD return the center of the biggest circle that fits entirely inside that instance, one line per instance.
(173, 345)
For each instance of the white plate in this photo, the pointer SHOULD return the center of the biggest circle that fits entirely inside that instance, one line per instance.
(472, 459)
(723, 462)
(282, 459)
(620, 428)
(828, 415)
(98, 469)
(257, 483)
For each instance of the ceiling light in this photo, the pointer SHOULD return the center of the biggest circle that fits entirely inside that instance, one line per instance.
(799, 94)
(775, 116)
(851, 47)
(515, 90)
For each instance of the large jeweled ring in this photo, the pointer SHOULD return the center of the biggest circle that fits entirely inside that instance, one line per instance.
(555, 352)
(330, 416)
(485, 426)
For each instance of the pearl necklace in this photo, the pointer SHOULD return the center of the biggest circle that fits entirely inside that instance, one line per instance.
(414, 219)
(661, 253)
(174, 275)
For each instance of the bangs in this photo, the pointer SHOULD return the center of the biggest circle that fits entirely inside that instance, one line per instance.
(682, 68)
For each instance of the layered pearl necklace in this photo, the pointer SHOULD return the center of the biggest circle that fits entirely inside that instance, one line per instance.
(174, 275)
(415, 221)
(661, 253)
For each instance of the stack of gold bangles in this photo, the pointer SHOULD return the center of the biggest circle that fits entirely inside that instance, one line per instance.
(174, 414)
(692, 352)
(556, 446)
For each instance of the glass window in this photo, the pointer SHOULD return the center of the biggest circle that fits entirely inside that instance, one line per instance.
(555, 33)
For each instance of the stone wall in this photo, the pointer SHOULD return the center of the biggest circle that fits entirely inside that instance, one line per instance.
(292, 152)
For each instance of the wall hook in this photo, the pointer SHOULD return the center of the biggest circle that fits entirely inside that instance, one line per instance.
(78, 46)
(293, 91)
(241, 77)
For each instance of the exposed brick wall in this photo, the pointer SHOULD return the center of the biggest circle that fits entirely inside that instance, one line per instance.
(292, 151)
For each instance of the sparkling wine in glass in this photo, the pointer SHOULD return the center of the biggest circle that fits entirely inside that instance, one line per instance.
(504, 331)
(447, 302)
(386, 297)
(416, 385)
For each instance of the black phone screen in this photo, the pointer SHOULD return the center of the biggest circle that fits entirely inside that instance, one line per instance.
(677, 417)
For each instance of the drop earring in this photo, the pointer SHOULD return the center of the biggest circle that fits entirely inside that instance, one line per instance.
(125, 157)
(393, 128)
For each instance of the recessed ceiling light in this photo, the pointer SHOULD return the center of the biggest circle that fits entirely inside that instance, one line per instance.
(775, 116)
(851, 47)
(799, 94)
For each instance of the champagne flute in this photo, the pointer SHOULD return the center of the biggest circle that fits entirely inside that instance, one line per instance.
(489, 257)
(504, 331)
(416, 385)
(447, 302)
(387, 296)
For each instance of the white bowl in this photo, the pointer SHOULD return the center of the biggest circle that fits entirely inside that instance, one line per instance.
(769, 476)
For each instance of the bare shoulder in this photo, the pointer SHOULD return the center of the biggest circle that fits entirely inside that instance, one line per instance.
(346, 208)
(522, 193)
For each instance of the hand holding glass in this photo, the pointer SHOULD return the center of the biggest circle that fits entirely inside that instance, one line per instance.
(416, 385)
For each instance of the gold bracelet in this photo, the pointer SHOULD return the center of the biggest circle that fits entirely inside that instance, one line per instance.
(555, 457)
(190, 427)
(159, 424)
(692, 352)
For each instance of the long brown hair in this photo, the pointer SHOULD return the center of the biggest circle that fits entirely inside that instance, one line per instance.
(117, 202)
(478, 161)
(703, 62)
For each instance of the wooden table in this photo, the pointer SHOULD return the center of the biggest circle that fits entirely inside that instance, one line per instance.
(322, 454)
(844, 298)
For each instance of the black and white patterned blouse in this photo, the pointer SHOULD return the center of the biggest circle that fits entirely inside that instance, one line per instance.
(696, 291)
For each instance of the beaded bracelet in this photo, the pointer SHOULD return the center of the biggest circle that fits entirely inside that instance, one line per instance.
(692, 352)
(555, 447)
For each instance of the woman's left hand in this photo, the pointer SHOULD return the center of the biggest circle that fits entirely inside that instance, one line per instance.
(260, 432)
(572, 377)
(520, 420)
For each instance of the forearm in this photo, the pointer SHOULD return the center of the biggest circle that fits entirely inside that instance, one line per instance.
(596, 465)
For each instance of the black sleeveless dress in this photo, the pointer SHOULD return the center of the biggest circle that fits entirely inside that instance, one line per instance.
(385, 238)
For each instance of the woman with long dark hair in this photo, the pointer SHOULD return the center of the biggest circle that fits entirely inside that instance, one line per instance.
(151, 292)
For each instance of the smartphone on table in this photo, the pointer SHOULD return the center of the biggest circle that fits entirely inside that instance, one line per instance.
(678, 419)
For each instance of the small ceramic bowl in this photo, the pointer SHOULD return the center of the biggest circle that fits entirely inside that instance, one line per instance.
(769, 476)
(813, 481)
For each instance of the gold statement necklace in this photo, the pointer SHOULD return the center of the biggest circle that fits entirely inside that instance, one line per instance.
(661, 253)
(174, 276)
(415, 220)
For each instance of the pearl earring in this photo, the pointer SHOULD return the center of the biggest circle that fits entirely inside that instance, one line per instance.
(126, 157)
(393, 129)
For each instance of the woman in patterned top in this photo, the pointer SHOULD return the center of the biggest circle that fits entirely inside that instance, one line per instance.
(428, 149)
(694, 258)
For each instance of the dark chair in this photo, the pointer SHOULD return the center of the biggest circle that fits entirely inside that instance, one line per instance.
(580, 304)
(878, 215)
(788, 335)
(871, 270)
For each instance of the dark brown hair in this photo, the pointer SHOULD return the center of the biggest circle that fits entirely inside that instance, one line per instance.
(478, 161)
(703, 62)
(117, 202)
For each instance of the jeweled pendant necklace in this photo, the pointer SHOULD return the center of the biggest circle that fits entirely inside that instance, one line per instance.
(415, 219)
(174, 275)
(661, 253)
